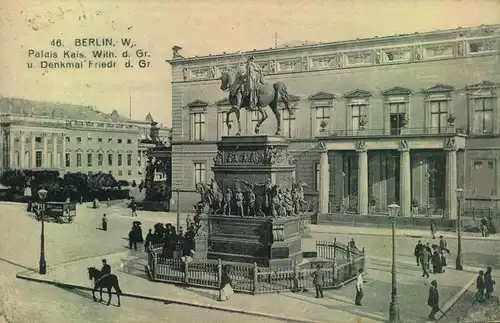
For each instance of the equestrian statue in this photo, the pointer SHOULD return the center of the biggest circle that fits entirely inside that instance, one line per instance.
(249, 90)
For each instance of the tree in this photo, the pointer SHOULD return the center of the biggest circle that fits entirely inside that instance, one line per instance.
(79, 181)
(15, 179)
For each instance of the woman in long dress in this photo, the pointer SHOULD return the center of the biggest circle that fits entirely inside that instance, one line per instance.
(226, 289)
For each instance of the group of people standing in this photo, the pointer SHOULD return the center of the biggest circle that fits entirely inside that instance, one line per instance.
(425, 255)
(174, 244)
(484, 285)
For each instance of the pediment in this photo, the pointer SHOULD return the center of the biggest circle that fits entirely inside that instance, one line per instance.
(198, 104)
(322, 96)
(291, 98)
(439, 88)
(224, 101)
(397, 90)
(358, 94)
(483, 85)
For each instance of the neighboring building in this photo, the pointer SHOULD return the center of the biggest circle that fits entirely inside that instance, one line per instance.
(70, 138)
(399, 118)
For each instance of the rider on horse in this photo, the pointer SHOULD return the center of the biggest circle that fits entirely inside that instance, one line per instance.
(254, 77)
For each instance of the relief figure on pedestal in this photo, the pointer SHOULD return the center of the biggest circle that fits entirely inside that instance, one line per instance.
(271, 153)
(238, 198)
(226, 205)
(219, 158)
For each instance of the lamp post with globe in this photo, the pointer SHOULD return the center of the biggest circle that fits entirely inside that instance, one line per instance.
(42, 194)
(393, 307)
(459, 264)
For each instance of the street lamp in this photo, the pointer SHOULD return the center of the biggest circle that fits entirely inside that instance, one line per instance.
(460, 194)
(42, 194)
(393, 307)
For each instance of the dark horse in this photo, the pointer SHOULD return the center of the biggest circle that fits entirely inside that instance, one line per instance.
(268, 95)
(106, 281)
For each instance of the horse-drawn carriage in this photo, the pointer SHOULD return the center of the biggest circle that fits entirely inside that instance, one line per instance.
(58, 212)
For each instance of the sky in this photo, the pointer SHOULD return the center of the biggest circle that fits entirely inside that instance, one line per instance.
(201, 27)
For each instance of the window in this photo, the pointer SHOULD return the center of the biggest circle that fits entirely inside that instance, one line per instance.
(317, 176)
(78, 160)
(129, 172)
(38, 159)
(198, 126)
(483, 115)
(397, 117)
(119, 141)
(439, 115)
(129, 159)
(99, 139)
(68, 139)
(120, 161)
(38, 139)
(120, 173)
(110, 172)
(200, 173)
(255, 119)
(89, 160)
(225, 131)
(110, 140)
(67, 161)
(99, 159)
(129, 141)
(358, 114)
(79, 140)
(483, 178)
(288, 124)
(139, 160)
(322, 117)
(110, 159)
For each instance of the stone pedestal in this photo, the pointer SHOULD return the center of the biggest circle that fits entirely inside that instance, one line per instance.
(254, 164)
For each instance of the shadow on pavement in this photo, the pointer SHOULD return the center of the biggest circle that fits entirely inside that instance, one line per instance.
(79, 292)
(199, 292)
(16, 264)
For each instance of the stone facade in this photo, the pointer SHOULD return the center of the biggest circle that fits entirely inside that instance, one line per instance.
(392, 104)
(90, 145)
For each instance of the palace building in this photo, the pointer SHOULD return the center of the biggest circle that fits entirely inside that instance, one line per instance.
(73, 138)
(407, 119)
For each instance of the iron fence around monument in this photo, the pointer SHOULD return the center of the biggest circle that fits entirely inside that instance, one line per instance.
(340, 265)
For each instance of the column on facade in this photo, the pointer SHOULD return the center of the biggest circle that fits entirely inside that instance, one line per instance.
(324, 182)
(405, 179)
(11, 163)
(22, 151)
(362, 179)
(54, 151)
(63, 152)
(45, 152)
(451, 183)
(33, 154)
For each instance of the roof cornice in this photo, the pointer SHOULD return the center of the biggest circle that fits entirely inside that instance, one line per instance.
(371, 40)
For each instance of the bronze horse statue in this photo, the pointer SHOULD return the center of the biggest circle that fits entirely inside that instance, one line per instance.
(268, 95)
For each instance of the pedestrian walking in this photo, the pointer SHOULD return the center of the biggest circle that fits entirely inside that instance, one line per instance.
(133, 207)
(149, 239)
(433, 229)
(433, 300)
(318, 281)
(425, 258)
(443, 245)
(132, 242)
(418, 251)
(488, 282)
(225, 287)
(480, 287)
(104, 222)
(359, 288)
(484, 227)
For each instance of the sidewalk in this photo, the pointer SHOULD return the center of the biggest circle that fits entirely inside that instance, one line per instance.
(399, 232)
(303, 307)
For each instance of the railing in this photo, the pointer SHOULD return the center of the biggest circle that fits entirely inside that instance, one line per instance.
(393, 132)
(340, 266)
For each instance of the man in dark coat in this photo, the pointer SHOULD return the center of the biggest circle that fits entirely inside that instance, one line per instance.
(480, 286)
(104, 222)
(488, 282)
(443, 245)
(425, 258)
(318, 281)
(132, 239)
(433, 300)
(106, 269)
(436, 262)
(418, 251)
(433, 230)
(149, 240)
